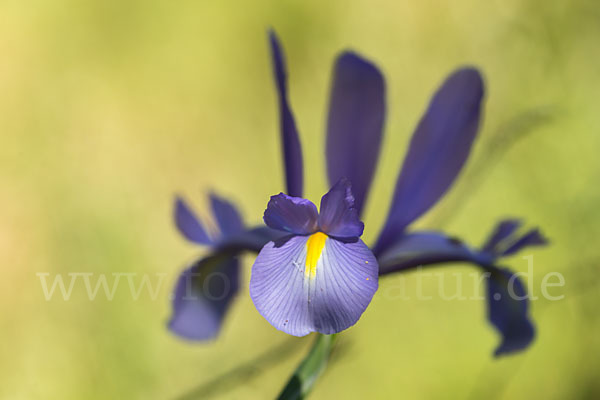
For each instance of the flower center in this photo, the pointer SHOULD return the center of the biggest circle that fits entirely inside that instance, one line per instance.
(314, 248)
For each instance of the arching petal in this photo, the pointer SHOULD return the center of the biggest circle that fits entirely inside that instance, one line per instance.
(202, 296)
(188, 224)
(227, 217)
(292, 151)
(437, 152)
(338, 216)
(507, 310)
(291, 214)
(314, 283)
(355, 123)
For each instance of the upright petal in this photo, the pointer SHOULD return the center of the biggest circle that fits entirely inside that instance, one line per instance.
(292, 151)
(227, 217)
(355, 123)
(437, 152)
(532, 238)
(313, 283)
(291, 214)
(502, 232)
(203, 295)
(507, 311)
(188, 224)
(338, 216)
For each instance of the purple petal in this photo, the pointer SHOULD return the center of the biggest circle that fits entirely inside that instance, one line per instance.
(425, 248)
(507, 311)
(253, 239)
(202, 296)
(355, 124)
(338, 217)
(188, 224)
(226, 215)
(292, 151)
(291, 214)
(437, 152)
(503, 230)
(531, 238)
(328, 300)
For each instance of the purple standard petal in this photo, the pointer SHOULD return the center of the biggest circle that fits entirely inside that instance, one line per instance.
(437, 152)
(227, 217)
(507, 311)
(188, 224)
(503, 231)
(291, 214)
(338, 216)
(355, 123)
(292, 151)
(532, 238)
(202, 296)
(313, 284)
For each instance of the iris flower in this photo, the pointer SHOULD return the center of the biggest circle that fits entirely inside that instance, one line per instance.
(313, 273)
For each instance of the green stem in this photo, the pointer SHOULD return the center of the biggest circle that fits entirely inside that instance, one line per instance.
(309, 370)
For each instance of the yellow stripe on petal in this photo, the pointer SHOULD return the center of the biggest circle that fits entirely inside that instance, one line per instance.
(314, 248)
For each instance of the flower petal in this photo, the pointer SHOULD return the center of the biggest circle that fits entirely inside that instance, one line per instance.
(188, 224)
(437, 152)
(507, 311)
(227, 217)
(327, 294)
(355, 123)
(202, 296)
(424, 248)
(532, 238)
(338, 216)
(503, 230)
(292, 151)
(291, 214)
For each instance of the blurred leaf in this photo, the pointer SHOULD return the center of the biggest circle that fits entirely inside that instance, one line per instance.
(305, 377)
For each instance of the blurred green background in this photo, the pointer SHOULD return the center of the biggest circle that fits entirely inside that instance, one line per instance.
(108, 108)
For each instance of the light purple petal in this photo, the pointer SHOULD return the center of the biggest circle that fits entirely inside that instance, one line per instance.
(292, 151)
(291, 214)
(227, 217)
(331, 300)
(337, 216)
(355, 124)
(503, 230)
(532, 238)
(202, 296)
(188, 224)
(437, 152)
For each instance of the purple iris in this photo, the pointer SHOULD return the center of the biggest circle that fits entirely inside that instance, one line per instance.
(314, 273)
(321, 277)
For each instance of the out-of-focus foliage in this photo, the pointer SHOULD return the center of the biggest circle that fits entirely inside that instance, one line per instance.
(109, 107)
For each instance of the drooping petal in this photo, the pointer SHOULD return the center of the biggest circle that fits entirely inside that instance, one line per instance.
(507, 311)
(291, 214)
(355, 123)
(292, 151)
(532, 238)
(203, 295)
(338, 217)
(503, 230)
(314, 283)
(437, 152)
(227, 217)
(188, 224)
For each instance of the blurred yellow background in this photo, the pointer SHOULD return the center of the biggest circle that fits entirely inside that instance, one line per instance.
(108, 108)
